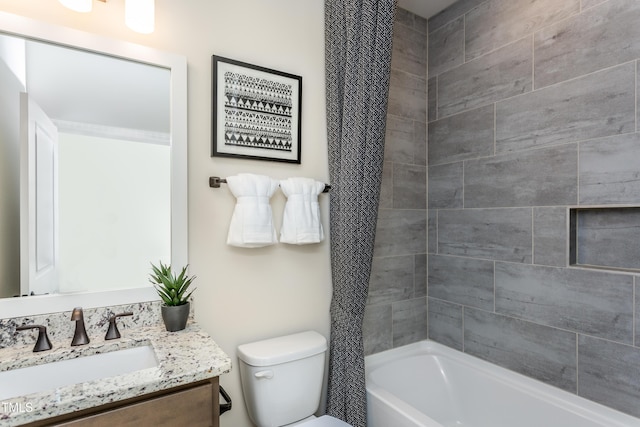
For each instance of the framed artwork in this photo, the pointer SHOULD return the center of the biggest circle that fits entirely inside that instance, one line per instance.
(256, 112)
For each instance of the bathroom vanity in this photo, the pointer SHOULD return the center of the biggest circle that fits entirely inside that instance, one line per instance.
(194, 405)
(182, 389)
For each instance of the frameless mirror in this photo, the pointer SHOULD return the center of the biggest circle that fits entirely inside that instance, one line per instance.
(93, 167)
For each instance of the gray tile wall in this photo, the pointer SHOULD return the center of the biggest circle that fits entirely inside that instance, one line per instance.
(396, 312)
(532, 109)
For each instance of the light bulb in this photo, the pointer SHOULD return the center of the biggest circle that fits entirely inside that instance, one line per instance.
(139, 15)
(78, 5)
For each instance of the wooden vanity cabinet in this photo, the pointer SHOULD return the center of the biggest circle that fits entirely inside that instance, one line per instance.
(193, 405)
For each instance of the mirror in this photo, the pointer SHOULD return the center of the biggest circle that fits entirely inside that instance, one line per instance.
(105, 186)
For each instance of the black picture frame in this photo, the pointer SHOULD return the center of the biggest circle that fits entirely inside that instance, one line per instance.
(256, 112)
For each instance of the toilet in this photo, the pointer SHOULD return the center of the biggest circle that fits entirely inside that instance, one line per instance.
(282, 380)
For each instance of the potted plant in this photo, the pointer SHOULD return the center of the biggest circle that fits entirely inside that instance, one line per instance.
(174, 291)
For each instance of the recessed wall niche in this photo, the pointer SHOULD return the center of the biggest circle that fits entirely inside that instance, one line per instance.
(605, 238)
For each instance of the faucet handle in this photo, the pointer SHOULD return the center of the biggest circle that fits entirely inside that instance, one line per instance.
(42, 343)
(113, 332)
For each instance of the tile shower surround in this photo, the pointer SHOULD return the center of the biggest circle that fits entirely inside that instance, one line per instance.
(532, 109)
(396, 311)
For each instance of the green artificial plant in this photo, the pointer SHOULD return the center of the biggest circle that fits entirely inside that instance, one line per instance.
(172, 288)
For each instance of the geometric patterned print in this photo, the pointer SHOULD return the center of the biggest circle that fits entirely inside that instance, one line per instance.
(257, 112)
(358, 42)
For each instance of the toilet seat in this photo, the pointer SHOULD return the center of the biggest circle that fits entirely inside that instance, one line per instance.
(324, 421)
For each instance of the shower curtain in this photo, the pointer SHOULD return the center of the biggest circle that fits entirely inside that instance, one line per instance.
(358, 42)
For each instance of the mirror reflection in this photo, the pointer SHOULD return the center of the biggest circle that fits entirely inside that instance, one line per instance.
(85, 176)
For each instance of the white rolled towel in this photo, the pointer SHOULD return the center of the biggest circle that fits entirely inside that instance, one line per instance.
(301, 221)
(252, 221)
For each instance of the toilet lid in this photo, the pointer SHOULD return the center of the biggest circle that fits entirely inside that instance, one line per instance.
(325, 421)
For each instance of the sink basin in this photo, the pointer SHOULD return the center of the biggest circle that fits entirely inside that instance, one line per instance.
(49, 376)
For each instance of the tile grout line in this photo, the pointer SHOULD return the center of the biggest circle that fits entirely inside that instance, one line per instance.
(577, 177)
(464, 38)
(577, 364)
(533, 240)
(533, 62)
(495, 128)
(463, 340)
(437, 232)
(437, 100)
(463, 186)
(494, 286)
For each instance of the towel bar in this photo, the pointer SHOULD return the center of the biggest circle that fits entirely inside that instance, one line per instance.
(215, 181)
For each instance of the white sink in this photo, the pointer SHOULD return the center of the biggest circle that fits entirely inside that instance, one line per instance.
(50, 376)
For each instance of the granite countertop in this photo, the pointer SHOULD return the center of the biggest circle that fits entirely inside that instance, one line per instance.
(183, 357)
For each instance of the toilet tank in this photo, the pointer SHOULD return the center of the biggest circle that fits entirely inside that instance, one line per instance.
(282, 377)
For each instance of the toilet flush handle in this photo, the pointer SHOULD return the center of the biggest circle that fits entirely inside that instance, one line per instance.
(264, 374)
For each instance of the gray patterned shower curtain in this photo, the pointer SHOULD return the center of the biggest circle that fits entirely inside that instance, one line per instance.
(358, 42)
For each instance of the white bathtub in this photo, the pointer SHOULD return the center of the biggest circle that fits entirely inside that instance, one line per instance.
(427, 384)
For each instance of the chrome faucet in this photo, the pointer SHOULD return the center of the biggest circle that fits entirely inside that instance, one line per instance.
(80, 336)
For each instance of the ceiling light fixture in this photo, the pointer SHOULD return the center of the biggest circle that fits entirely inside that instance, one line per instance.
(78, 5)
(139, 15)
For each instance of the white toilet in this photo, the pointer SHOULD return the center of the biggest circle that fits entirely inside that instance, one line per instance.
(282, 380)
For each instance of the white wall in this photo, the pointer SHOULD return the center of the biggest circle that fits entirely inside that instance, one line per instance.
(243, 294)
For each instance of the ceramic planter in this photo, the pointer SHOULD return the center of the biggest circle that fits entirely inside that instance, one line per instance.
(175, 317)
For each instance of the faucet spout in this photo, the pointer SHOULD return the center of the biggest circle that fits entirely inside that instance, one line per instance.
(80, 336)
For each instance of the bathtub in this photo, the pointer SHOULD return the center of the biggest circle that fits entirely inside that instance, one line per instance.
(427, 384)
